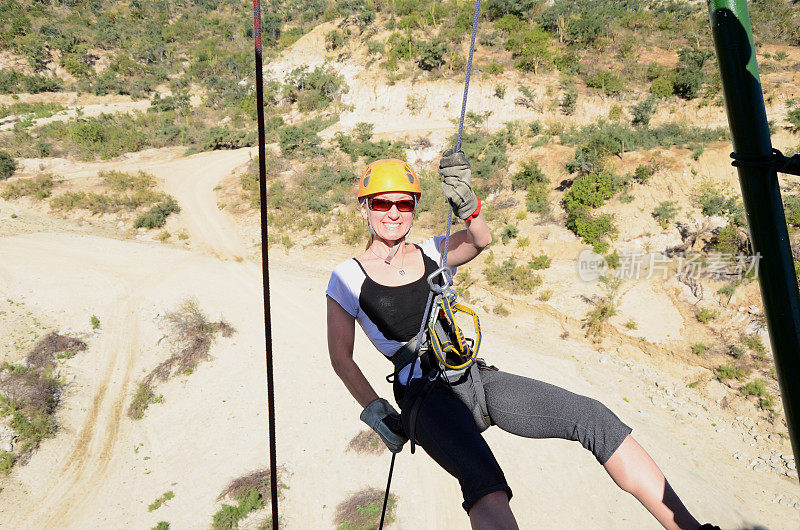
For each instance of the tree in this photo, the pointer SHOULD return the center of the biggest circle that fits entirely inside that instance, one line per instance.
(521, 8)
(431, 54)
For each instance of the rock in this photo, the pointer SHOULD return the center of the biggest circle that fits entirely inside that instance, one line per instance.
(791, 465)
(753, 310)
(661, 383)
(774, 438)
(792, 473)
(737, 456)
(720, 429)
(7, 447)
(783, 502)
(120, 224)
(760, 467)
(787, 457)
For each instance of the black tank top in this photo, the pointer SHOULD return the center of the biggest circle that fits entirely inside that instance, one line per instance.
(397, 310)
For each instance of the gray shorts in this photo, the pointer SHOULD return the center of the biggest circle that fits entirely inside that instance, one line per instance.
(535, 409)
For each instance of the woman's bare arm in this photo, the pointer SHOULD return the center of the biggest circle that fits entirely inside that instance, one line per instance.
(341, 337)
(465, 245)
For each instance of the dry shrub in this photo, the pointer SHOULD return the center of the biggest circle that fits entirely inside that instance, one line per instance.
(30, 396)
(362, 510)
(194, 334)
(29, 388)
(257, 480)
(367, 442)
(45, 350)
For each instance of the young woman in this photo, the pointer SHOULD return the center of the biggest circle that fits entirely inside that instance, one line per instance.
(386, 289)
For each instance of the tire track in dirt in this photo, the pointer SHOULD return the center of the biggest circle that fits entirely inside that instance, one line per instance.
(80, 474)
(90, 473)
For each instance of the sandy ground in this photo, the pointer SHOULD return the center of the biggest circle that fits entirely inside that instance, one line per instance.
(103, 469)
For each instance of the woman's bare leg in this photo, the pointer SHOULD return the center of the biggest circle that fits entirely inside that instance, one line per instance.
(635, 472)
(492, 512)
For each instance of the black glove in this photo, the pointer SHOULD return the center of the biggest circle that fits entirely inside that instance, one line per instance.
(385, 421)
(456, 183)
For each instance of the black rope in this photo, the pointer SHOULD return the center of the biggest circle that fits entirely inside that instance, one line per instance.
(775, 160)
(386, 496)
(262, 172)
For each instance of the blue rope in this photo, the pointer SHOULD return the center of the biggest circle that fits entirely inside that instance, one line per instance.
(443, 260)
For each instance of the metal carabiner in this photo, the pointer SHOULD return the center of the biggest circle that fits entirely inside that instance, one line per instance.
(447, 275)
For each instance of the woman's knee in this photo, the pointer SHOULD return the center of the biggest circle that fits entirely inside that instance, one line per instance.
(599, 429)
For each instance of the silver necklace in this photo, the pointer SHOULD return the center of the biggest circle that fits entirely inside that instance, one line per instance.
(400, 270)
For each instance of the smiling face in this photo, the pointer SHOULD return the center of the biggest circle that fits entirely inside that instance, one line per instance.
(392, 224)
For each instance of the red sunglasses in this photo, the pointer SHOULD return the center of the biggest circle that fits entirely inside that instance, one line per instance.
(384, 205)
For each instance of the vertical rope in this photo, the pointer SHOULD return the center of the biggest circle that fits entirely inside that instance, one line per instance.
(262, 173)
(443, 259)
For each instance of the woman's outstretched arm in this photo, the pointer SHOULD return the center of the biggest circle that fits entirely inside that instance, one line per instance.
(465, 245)
(341, 337)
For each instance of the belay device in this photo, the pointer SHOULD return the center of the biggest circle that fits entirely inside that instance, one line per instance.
(445, 338)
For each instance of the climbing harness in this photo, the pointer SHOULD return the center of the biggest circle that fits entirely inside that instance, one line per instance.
(262, 172)
(776, 160)
(440, 309)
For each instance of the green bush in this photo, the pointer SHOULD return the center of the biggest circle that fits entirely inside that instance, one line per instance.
(540, 262)
(756, 387)
(223, 137)
(156, 504)
(40, 187)
(591, 229)
(529, 174)
(512, 277)
(142, 399)
(7, 165)
(530, 49)
(699, 348)
(643, 172)
(755, 343)
(705, 315)
(430, 55)
(794, 118)
(7, 460)
(334, 39)
(156, 217)
(662, 87)
(665, 213)
(643, 111)
(611, 83)
(791, 205)
(730, 371)
(536, 199)
(729, 240)
(315, 89)
(589, 191)
(569, 102)
(298, 140)
(713, 202)
(508, 232)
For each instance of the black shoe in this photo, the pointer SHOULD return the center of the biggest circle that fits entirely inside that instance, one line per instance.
(709, 526)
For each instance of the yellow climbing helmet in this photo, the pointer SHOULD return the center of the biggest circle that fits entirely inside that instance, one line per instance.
(388, 174)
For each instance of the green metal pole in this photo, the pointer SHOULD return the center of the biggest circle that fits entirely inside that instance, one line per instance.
(747, 117)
